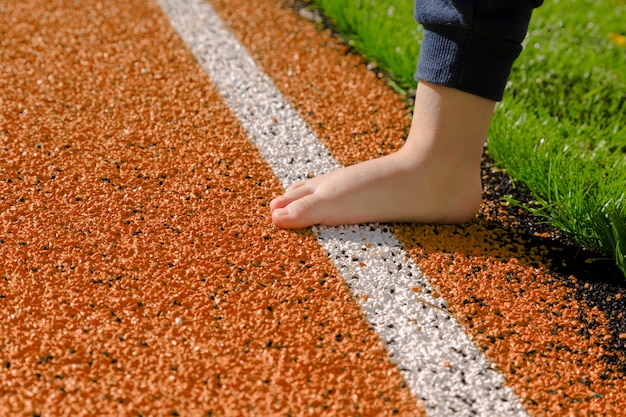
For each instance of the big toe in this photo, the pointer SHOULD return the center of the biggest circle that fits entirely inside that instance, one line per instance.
(295, 215)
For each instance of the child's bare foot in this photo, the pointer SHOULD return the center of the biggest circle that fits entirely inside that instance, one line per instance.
(434, 178)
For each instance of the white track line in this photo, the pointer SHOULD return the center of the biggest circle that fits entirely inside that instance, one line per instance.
(439, 361)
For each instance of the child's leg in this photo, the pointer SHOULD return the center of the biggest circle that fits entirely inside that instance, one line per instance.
(435, 177)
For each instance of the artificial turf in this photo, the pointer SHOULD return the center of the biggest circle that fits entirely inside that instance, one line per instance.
(561, 128)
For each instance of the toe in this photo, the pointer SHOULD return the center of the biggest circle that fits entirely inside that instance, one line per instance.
(293, 193)
(295, 215)
(278, 203)
(296, 185)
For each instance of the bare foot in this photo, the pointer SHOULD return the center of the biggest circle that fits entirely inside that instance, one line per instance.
(434, 178)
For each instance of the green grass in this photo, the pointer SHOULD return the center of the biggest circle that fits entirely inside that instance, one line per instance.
(561, 128)
(382, 31)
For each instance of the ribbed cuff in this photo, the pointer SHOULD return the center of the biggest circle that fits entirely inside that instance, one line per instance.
(468, 61)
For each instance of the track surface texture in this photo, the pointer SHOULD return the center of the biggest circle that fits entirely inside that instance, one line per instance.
(140, 273)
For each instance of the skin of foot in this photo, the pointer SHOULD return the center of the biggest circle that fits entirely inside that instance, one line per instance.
(434, 178)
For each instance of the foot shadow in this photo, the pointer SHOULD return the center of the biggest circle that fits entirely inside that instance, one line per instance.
(593, 280)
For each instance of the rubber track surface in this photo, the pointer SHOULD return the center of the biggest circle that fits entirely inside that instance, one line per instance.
(140, 273)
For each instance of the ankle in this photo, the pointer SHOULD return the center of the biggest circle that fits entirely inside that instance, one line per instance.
(449, 125)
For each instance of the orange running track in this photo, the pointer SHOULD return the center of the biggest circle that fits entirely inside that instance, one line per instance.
(140, 274)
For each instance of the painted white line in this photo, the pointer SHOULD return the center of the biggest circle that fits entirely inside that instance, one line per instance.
(437, 358)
